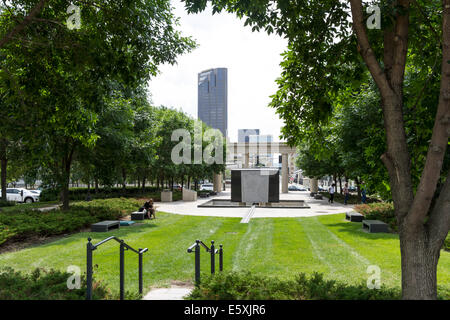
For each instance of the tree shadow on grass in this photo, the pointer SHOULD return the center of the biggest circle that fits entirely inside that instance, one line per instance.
(123, 233)
(355, 229)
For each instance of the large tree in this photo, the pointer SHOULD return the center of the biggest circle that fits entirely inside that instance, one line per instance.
(321, 61)
(63, 75)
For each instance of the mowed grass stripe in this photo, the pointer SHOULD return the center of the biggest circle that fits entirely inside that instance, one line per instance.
(333, 252)
(293, 252)
(254, 250)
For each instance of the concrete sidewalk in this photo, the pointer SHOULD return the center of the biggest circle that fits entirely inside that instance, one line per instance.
(317, 207)
(172, 293)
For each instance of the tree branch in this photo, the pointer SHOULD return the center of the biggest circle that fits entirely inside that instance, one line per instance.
(441, 132)
(439, 222)
(26, 21)
(365, 48)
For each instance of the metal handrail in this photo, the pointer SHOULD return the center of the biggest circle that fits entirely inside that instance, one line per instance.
(213, 251)
(94, 246)
(123, 246)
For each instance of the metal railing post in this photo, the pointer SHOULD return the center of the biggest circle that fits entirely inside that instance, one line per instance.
(122, 269)
(89, 270)
(213, 260)
(140, 271)
(221, 258)
(197, 262)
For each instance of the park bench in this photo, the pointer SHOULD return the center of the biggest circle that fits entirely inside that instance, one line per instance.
(375, 226)
(137, 215)
(354, 216)
(126, 223)
(105, 226)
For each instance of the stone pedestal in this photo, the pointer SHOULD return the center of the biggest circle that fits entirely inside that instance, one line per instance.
(189, 195)
(314, 185)
(166, 196)
(217, 182)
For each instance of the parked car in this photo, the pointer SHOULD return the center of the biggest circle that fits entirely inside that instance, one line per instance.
(38, 192)
(322, 189)
(296, 188)
(177, 187)
(21, 195)
(207, 187)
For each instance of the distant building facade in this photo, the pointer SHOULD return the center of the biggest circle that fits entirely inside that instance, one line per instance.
(244, 134)
(213, 98)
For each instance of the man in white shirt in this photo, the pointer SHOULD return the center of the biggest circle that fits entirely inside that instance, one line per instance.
(331, 192)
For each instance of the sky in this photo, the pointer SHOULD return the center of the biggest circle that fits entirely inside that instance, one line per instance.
(252, 59)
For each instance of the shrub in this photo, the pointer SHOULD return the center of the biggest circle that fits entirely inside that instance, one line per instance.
(447, 243)
(352, 199)
(379, 211)
(4, 203)
(106, 193)
(45, 285)
(245, 286)
(19, 225)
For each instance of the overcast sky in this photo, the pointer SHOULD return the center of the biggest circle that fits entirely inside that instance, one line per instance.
(252, 59)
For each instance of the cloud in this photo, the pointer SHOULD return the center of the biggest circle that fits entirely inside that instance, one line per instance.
(252, 59)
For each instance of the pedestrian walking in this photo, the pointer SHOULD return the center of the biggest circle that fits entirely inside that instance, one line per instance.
(346, 193)
(331, 191)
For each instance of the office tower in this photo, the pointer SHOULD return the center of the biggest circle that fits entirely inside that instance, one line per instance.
(244, 134)
(213, 98)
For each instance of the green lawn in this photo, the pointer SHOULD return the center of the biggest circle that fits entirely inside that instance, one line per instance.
(280, 247)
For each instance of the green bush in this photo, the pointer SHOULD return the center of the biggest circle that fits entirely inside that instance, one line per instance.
(107, 193)
(352, 199)
(447, 243)
(19, 225)
(4, 203)
(383, 211)
(245, 286)
(45, 285)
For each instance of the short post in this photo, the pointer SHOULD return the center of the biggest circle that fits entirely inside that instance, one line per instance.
(197, 262)
(213, 260)
(221, 258)
(140, 271)
(89, 270)
(122, 269)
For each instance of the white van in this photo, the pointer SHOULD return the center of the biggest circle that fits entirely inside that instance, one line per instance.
(21, 195)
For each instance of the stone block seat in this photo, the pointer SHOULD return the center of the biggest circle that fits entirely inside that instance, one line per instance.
(105, 226)
(375, 226)
(354, 216)
(137, 215)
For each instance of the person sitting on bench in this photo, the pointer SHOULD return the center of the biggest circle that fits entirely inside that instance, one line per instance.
(149, 209)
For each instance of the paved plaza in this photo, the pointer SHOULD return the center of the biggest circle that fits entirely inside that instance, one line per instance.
(317, 207)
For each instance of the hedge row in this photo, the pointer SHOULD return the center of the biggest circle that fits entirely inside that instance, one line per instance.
(45, 285)
(353, 199)
(245, 286)
(19, 225)
(106, 193)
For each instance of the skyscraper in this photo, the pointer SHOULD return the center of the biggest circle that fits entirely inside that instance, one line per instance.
(213, 98)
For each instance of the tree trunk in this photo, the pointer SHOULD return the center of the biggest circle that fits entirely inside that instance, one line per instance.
(4, 166)
(143, 184)
(419, 263)
(124, 179)
(340, 184)
(66, 165)
(96, 185)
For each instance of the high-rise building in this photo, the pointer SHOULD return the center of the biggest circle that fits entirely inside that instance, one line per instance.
(213, 98)
(244, 134)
